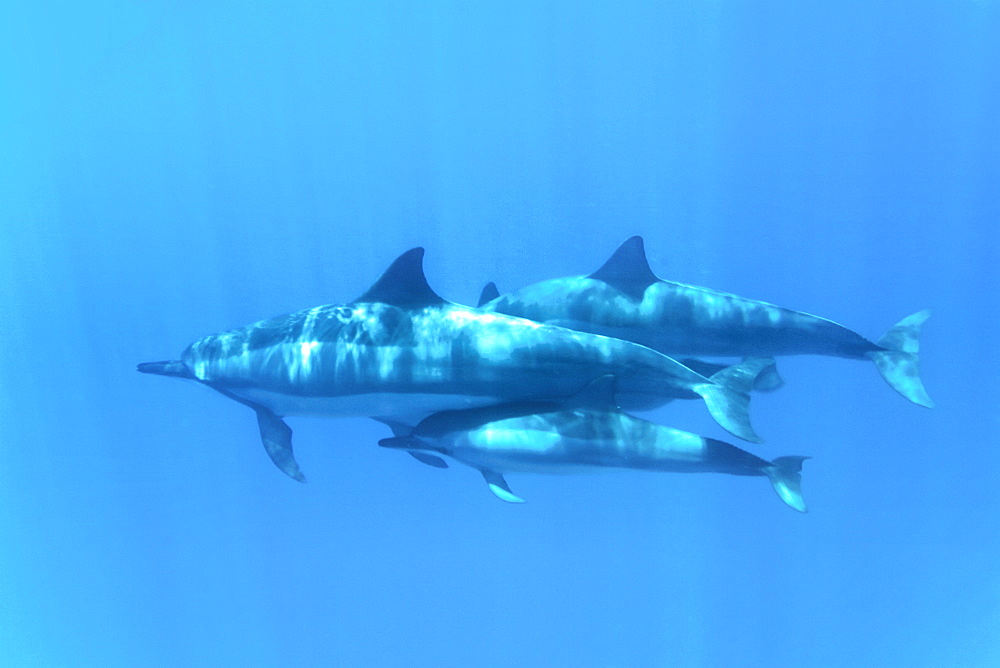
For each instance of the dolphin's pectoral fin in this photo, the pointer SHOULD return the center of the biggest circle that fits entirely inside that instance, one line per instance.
(277, 439)
(499, 486)
(430, 460)
(274, 434)
(898, 363)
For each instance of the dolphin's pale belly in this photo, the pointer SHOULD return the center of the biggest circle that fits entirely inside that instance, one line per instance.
(414, 406)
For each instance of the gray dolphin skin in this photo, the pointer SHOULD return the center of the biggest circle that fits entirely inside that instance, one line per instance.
(592, 435)
(625, 299)
(400, 352)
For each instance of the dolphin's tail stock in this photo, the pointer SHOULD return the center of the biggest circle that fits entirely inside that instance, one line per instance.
(785, 474)
(898, 363)
(174, 368)
(728, 396)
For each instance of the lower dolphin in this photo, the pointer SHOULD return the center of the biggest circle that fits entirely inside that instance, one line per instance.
(590, 435)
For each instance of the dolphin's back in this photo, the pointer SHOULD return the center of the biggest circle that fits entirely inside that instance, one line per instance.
(679, 319)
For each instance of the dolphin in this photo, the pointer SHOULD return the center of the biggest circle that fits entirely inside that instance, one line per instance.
(586, 434)
(400, 352)
(625, 299)
(768, 380)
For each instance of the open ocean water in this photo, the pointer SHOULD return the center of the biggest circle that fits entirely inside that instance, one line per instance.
(170, 170)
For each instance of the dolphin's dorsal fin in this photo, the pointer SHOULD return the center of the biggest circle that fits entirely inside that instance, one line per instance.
(403, 284)
(488, 294)
(627, 269)
(598, 394)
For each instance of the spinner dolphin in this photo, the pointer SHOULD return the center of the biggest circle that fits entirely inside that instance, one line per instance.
(589, 434)
(400, 352)
(625, 299)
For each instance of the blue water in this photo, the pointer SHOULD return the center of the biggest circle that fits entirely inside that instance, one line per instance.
(169, 170)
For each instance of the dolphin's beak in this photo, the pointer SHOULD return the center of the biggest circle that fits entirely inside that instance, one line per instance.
(402, 443)
(174, 368)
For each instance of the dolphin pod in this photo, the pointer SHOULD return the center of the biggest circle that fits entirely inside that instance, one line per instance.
(536, 381)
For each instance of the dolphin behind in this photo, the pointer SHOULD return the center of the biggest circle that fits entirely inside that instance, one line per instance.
(625, 299)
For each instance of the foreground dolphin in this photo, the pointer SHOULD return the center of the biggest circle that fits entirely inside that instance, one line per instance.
(547, 437)
(400, 352)
(625, 299)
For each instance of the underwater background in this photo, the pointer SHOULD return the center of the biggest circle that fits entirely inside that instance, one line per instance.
(170, 170)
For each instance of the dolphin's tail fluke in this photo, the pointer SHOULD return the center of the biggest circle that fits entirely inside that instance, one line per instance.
(785, 474)
(898, 363)
(743, 377)
(730, 409)
(728, 396)
(174, 368)
(768, 380)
